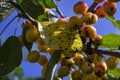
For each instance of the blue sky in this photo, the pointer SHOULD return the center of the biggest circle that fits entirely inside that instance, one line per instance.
(103, 26)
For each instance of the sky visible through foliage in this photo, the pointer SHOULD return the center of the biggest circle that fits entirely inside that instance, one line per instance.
(103, 26)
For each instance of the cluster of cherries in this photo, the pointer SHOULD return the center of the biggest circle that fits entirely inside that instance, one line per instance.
(83, 65)
(88, 65)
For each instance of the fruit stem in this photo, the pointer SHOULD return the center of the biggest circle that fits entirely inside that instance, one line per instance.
(106, 52)
(91, 8)
(8, 24)
(58, 10)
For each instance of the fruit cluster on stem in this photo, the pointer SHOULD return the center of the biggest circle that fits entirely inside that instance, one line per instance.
(82, 65)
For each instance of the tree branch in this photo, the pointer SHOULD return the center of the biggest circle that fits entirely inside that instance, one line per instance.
(58, 10)
(24, 14)
(91, 8)
(106, 52)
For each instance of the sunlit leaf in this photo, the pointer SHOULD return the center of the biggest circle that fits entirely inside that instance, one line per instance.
(111, 40)
(116, 23)
(34, 9)
(10, 55)
(47, 3)
(115, 72)
(109, 76)
(50, 3)
(60, 37)
(52, 65)
(44, 3)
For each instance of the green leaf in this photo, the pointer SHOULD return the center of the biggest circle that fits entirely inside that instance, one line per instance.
(19, 1)
(116, 23)
(109, 77)
(10, 55)
(4, 78)
(47, 3)
(111, 40)
(50, 4)
(34, 9)
(118, 59)
(115, 72)
(52, 65)
(39, 78)
(60, 37)
(19, 73)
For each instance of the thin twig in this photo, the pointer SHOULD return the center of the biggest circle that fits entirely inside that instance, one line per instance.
(91, 8)
(106, 52)
(8, 25)
(58, 10)
(16, 26)
(24, 14)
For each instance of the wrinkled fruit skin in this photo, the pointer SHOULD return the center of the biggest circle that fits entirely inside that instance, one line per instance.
(90, 18)
(112, 62)
(80, 7)
(88, 31)
(100, 12)
(109, 7)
